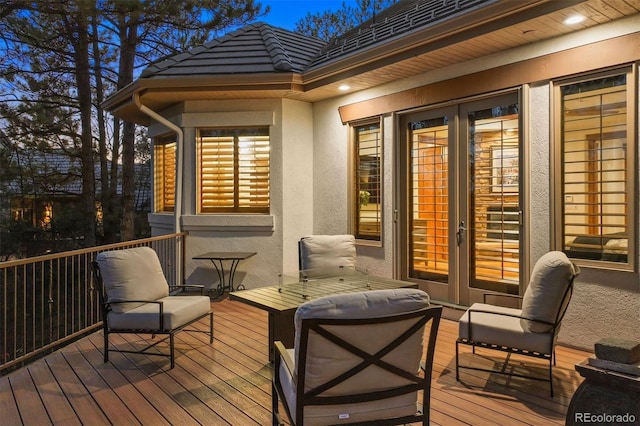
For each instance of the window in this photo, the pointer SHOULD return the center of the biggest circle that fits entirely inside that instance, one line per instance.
(233, 167)
(164, 173)
(367, 193)
(597, 173)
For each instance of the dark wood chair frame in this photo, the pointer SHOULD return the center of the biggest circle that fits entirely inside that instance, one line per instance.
(312, 397)
(549, 354)
(105, 308)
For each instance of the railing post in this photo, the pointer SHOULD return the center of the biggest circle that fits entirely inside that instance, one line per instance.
(182, 240)
(50, 302)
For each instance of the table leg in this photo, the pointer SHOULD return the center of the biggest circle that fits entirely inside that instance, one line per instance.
(220, 271)
(222, 286)
(232, 273)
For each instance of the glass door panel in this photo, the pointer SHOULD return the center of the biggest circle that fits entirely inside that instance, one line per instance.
(494, 199)
(460, 218)
(429, 199)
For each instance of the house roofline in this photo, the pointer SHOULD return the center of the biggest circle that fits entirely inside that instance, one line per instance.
(474, 22)
(478, 21)
(121, 104)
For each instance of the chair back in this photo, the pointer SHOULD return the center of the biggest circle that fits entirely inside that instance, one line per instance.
(547, 297)
(131, 274)
(365, 350)
(326, 252)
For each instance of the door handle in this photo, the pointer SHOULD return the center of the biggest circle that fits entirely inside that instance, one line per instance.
(461, 231)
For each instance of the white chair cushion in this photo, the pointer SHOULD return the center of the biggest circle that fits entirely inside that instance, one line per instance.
(327, 251)
(403, 405)
(366, 304)
(325, 360)
(177, 311)
(542, 300)
(132, 274)
(501, 329)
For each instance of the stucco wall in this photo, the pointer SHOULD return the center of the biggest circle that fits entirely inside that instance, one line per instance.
(273, 236)
(331, 180)
(297, 179)
(330, 164)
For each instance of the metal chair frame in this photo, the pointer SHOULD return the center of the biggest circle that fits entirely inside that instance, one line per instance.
(548, 355)
(420, 382)
(106, 307)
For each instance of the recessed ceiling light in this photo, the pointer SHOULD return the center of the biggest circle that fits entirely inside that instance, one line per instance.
(574, 19)
(344, 87)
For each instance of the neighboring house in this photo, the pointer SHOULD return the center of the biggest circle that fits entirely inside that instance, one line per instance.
(44, 181)
(49, 184)
(458, 140)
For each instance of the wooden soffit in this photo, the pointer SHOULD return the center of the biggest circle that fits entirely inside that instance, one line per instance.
(607, 53)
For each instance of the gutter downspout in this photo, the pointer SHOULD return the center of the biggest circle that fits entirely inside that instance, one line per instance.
(177, 209)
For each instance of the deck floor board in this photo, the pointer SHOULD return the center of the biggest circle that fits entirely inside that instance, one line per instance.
(229, 382)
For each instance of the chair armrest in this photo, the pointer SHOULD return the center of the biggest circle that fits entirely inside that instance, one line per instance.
(505, 314)
(508, 296)
(281, 352)
(114, 302)
(185, 287)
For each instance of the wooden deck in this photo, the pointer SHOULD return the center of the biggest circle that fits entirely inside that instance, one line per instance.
(230, 382)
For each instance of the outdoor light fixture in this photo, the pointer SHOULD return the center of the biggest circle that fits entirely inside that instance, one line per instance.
(344, 87)
(574, 19)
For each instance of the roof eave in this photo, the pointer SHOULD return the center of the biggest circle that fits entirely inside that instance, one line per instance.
(406, 45)
(161, 91)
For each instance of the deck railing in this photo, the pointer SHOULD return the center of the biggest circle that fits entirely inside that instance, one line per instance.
(47, 301)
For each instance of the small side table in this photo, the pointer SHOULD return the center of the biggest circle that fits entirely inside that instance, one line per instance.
(218, 258)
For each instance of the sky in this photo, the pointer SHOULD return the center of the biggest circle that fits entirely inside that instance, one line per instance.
(285, 13)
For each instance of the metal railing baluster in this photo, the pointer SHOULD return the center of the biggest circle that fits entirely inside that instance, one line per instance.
(47, 301)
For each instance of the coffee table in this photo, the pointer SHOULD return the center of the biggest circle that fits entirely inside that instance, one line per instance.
(282, 300)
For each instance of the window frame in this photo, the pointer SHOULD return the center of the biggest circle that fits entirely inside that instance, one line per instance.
(160, 169)
(631, 166)
(237, 208)
(354, 191)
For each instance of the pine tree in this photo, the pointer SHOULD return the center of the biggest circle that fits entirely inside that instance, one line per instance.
(60, 59)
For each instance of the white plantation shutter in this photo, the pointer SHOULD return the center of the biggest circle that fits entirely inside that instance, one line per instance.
(164, 175)
(596, 196)
(368, 193)
(234, 170)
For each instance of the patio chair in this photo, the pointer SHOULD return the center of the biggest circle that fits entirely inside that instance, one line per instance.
(135, 298)
(357, 359)
(531, 330)
(326, 254)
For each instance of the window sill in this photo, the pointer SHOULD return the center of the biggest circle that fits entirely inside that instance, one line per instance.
(368, 243)
(228, 223)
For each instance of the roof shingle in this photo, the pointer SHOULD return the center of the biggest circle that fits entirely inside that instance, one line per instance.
(261, 48)
(255, 48)
(400, 19)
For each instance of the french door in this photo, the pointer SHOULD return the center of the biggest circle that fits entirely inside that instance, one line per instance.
(461, 218)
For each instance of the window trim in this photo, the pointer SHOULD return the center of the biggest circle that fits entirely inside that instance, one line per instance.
(352, 159)
(236, 209)
(632, 177)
